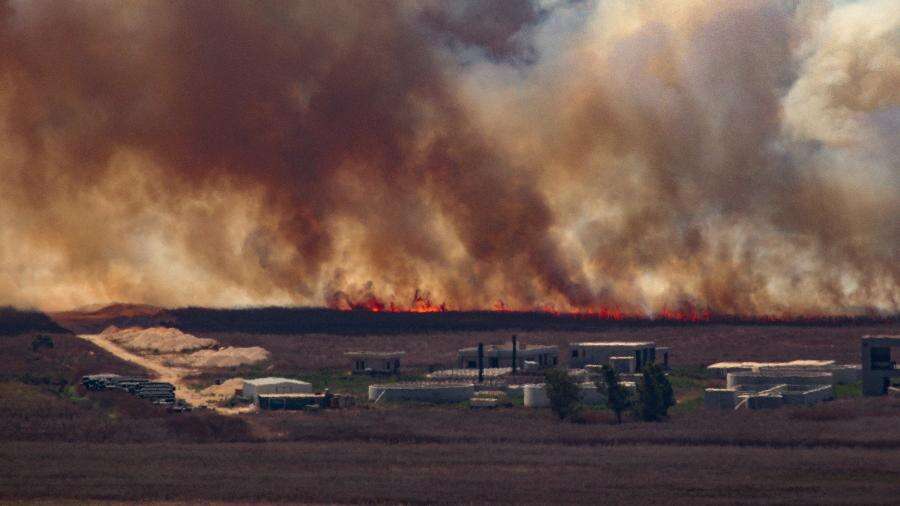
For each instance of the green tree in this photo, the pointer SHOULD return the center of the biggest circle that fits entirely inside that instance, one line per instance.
(615, 396)
(563, 392)
(655, 394)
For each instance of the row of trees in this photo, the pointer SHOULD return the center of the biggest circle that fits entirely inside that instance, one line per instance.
(654, 394)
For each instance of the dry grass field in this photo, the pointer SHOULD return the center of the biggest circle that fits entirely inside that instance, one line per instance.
(361, 472)
(59, 443)
(691, 344)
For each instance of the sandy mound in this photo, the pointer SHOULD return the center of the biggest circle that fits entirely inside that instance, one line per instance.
(225, 390)
(227, 357)
(156, 339)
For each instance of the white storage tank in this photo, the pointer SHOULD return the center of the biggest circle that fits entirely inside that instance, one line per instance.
(535, 396)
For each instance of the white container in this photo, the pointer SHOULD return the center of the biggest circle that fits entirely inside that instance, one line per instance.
(535, 396)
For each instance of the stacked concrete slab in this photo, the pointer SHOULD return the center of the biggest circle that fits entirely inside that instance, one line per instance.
(841, 373)
(771, 388)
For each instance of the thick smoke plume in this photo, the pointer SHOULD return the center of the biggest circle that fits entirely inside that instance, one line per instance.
(733, 156)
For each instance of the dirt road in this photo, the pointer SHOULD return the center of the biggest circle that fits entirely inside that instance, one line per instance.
(163, 372)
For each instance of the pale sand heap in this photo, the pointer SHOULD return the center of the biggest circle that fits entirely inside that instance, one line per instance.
(225, 390)
(156, 339)
(176, 346)
(227, 357)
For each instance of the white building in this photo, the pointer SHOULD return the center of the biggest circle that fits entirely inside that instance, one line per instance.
(375, 362)
(254, 387)
(634, 355)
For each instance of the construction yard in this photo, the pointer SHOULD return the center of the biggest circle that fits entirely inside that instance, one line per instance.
(62, 443)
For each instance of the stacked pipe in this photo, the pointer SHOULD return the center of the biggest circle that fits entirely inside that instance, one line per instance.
(156, 391)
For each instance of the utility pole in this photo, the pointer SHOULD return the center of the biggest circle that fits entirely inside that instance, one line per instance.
(514, 350)
(480, 362)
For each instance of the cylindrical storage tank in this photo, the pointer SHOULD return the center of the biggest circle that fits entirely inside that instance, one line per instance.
(535, 396)
(434, 393)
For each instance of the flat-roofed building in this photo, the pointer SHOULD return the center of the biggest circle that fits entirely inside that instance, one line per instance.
(375, 362)
(254, 387)
(638, 353)
(501, 355)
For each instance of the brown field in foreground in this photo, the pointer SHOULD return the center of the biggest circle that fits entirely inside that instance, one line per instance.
(60, 443)
(353, 472)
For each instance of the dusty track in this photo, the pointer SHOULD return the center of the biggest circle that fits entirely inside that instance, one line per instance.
(162, 372)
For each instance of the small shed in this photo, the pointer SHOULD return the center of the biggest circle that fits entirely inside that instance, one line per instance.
(254, 387)
(375, 362)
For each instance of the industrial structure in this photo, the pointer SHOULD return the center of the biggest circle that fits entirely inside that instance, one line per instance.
(375, 362)
(877, 365)
(625, 357)
(520, 357)
(306, 401)
(253, 388)
(840, 373)
(427, 392)
(771, 389)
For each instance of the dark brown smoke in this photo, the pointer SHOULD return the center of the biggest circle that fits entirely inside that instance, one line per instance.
(572, 156)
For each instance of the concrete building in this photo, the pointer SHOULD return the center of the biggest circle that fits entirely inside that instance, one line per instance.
(878, 367)
(842, 374)
(626, 357)
(496, 355)
(721, 369)
(771, 389)
(375, 362)
(254, 387)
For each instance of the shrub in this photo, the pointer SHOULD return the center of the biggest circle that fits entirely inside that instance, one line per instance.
(655, 394)
(41, 341)
(563, 392)
(616, 398)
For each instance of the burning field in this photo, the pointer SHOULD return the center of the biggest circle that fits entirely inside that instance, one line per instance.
(197, 192)
(617, 158)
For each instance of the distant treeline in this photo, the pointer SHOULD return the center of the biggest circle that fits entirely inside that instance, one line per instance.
(16, 321)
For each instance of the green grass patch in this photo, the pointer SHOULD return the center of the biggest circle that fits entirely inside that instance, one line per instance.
(848, 390)
(687, 405)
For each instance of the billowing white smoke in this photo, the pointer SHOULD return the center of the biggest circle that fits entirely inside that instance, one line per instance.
(741, 156)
